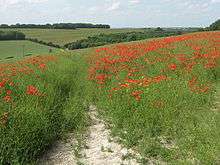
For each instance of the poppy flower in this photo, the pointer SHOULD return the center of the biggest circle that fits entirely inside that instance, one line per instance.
(8, 92)
(172, 67)
(7, 99)
(31, 90)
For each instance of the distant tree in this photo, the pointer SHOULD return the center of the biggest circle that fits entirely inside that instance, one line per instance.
(4, 26)
(159, 29)
(201, 29)
(11, 35)
(104, 39)
(57, 26)
(215, 25)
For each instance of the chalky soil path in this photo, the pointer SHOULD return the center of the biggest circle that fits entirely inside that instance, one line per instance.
(61, 153)
(217, 100)
(101, 148)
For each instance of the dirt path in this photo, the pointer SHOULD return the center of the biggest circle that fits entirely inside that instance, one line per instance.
(61, 153)
(101, 148)
(217, 100)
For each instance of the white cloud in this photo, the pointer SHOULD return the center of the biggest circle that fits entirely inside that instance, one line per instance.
(215, 1)
(7, 3)
(134, 1)
(114, 6)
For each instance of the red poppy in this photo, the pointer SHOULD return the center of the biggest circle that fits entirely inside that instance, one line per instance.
(137, 95)
(7, 99)
(31, 90)
(8, 92)
(42, 66)
(172, 66)
(2, 84)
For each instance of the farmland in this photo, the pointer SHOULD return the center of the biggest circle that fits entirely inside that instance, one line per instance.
(62, 37)
(157, 95)
(19, 48)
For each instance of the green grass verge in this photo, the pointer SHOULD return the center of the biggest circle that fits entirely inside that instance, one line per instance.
(17, 49)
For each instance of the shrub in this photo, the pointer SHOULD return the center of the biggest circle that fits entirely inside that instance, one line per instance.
(11, 35)
(104, 39)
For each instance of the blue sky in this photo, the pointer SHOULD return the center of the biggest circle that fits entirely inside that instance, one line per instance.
(117, 13)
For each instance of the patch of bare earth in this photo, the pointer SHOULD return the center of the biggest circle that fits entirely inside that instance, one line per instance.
(217, 101)
(100, 148)
(61, 153)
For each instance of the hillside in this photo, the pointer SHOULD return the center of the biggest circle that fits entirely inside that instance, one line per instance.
(62, 36)
(18, 49)
(215, 26)
(156, 96)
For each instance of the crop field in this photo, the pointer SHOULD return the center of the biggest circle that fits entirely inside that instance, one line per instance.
(62, 37)
(22, 48)
(158, 96)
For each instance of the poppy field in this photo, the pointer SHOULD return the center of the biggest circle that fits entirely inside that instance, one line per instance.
(40, 101)
(158, 97)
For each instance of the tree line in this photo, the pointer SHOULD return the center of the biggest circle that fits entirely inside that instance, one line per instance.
(44, 43)
(11, 35)
(104, 39)
(57, 26)
(215, 25)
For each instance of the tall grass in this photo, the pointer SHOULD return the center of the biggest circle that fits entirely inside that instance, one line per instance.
(159, 95)
(31, 123)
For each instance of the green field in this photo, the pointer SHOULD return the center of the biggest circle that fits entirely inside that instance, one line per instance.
(20, 48)
(62, 37)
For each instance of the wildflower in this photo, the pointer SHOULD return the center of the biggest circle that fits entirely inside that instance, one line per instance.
(192, 82)
(204, 89)
(172, 66)
(159, 78)
(42, 66)
(2, 84)
(31, 90)
(206, 55)
(137, 94)
(8, 92)
(101, 77)
(115, 89)
(11, 84)
(210, 65)
(132, 81)
(7, 99)
(126, 85)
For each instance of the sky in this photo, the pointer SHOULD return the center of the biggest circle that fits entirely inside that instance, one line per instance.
(117, 13)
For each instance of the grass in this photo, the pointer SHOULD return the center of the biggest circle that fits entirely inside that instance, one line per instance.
(142, 88)
(62, 37)
(15, 49)
(45, 100)
(158, 96)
